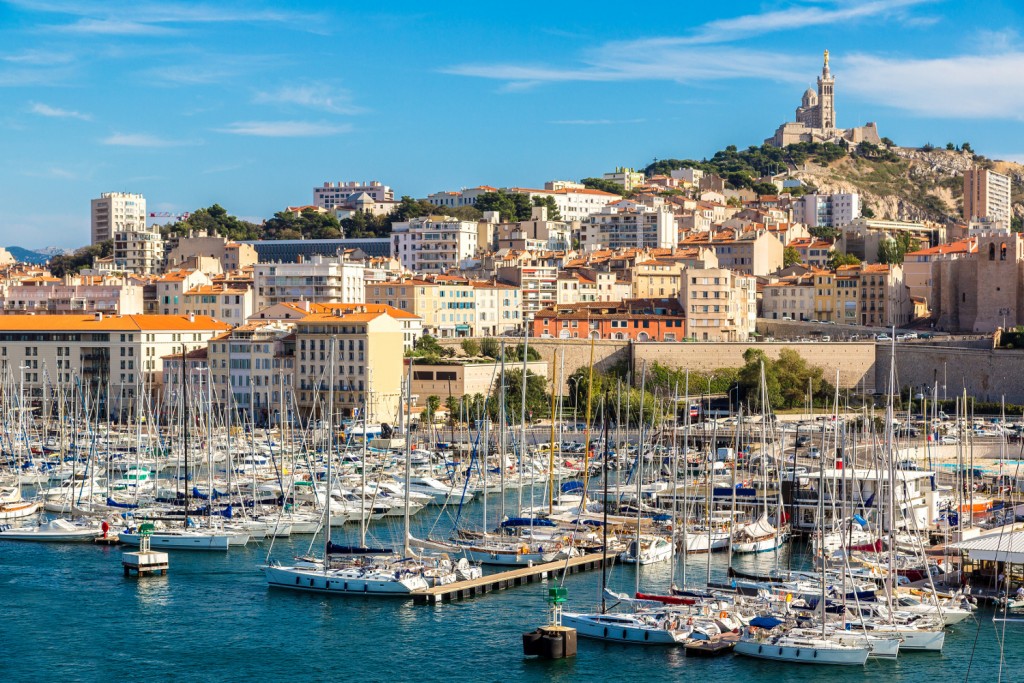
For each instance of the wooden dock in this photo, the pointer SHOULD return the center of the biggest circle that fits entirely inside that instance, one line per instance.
(461, 590)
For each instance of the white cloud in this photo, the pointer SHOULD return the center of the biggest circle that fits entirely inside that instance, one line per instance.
(988, 86)
(621, 62)
(150, 18)
(700, 56)
(790, 19)
(327, 98)
(39, 58)
(285, 129)
(55, 112)
(141, 140)
(114, 27)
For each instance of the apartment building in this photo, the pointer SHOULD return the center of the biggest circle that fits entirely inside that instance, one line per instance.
(827, 210)
(756, 252)
(72, 295)
(252, 368)
(115, 212)
(230, 303)
(193, 251)
(367, 354)
(318, 279)
(636, 319)
(329, 195)
(434, 244)
(628, 224)
(499, 308)
(171, 287)
(138, 251)
(987, 194)
(105, 353)
(719, 304)
(790, 298)
(538, 233)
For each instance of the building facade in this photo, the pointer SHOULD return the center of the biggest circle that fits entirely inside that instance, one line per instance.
(115, 212)
(318, 279)
(434, 244)
(987, 195)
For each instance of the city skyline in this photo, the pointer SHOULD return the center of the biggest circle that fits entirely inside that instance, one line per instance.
(191, 104)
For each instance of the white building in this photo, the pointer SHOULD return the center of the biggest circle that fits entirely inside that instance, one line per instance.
(117, 212)
(320, 279)
(627, 177)
(329, 195)
(827, 210)
(628, 224)
(434, 244)
(720, 304)
(138, 251)
(574, 203)
(105, 353)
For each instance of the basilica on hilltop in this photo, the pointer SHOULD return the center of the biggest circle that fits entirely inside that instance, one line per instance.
(816, 118)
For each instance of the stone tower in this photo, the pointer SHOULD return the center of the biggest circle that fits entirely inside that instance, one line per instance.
(826, 96)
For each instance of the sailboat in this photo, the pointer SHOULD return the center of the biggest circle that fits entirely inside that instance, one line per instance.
(359, 570)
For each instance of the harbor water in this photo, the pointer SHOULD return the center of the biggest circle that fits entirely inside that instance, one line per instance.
(70, 615)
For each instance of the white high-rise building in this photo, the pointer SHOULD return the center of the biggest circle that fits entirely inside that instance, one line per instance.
(330, 195)
(628, 224)
(828, 210)
(320, 279)
(987, 196)
(434, 244)
(117, 212)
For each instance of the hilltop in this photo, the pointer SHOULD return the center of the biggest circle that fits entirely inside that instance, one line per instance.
(898, 183)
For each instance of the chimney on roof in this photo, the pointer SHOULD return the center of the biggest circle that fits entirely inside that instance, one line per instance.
(191, 317)
(305, 305)
(98, 316)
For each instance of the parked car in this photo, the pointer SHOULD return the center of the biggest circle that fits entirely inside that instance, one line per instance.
(883, 337)
(814, 452)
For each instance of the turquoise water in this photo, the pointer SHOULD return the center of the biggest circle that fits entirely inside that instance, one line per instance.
(70, 615)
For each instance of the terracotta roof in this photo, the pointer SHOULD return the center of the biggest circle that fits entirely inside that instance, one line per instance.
(108, 323)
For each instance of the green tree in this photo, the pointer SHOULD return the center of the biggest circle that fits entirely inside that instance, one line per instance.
(471, 347)
(433, 403)
(764, 189)
(867, 212)
(215, 220)
(966, 147)
(490, 348)
(786, 380)
(790, 256)
(1017, 224)
(824, 233)
(950, 146)
(605, 186)
(310, 224)
(71, 264)
(888, 142)
(554, 214)
(839, 258)
(514, 354)
(537, 398)
(512, 206)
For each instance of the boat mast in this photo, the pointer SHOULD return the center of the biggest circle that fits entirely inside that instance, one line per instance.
(604, 522)
(501, 436)
(640, 468)
(408, 461)
(330, 455)
(362, 493)
(184, 422)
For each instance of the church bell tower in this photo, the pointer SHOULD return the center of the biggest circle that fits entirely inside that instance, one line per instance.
(826, 95)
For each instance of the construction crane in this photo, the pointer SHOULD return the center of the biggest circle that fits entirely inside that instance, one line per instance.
(169, 214)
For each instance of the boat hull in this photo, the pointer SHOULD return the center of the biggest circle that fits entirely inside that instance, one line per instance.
(802, 655)
(341, 583)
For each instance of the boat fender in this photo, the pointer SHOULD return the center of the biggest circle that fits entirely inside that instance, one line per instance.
(723, 615)
(798, 653)
(624, 636)
(815, 653)
(736, 630)
(760, 649)
(689, 622)
(605, 631)
(647, 635)
(780, 651)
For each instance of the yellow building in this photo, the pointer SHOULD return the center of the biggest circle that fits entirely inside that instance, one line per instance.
(368, 352)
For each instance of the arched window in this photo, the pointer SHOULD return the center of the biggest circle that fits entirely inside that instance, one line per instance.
(992, 251)
(1002, 252)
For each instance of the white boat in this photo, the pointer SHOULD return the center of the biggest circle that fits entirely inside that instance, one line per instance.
(652, 549)
(370, 580)
(800, 649)
(185, 539)
(758, 537)
(628, 628)
(54, 531)
(702, 540)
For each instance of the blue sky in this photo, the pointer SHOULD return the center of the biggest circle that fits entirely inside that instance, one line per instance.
(251, 105)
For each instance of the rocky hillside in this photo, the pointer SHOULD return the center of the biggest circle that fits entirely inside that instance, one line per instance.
(910, 184)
